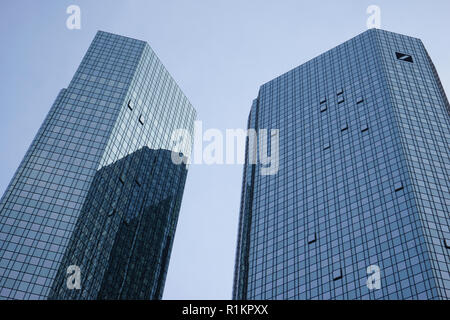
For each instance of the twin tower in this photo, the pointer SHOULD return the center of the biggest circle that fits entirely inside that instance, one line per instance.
(362, 186)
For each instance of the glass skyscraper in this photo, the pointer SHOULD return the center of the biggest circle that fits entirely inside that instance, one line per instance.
(97, 188)
(362, 188)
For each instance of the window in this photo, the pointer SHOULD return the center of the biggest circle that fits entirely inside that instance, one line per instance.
(404, 57)
(398, 186)
(364, 128)
(344, 127)
(447, 243)
(339, 92)
(130, 105)
(326, 146)
(323, 108)
(341, 99)
(141, 119)
(122, 178)
(337, 274)
(138, 181)
(312, 238)
(323, 100)
(111, 212)
(359, 100)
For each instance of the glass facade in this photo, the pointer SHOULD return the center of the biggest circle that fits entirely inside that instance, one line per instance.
(363, 178)
(97, 188)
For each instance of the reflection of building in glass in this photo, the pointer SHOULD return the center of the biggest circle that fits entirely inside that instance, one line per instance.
(363, 178)
(120, 107)
(123, 238)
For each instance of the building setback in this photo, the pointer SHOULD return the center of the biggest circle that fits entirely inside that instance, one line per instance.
(363, 180)
(97, 188)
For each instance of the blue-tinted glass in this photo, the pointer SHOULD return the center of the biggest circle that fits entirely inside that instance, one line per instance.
(74, 199)
(363, 181)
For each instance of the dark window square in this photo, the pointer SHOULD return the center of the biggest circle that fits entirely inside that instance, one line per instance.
(447, 243)
(138, 181)
(312, 238)
(337, 274)
(398, 186)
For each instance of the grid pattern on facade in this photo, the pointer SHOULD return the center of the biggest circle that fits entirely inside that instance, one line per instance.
(123, 237)
(346, 195)
(90, 126)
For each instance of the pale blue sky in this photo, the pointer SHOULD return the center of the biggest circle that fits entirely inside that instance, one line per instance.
(219, 52)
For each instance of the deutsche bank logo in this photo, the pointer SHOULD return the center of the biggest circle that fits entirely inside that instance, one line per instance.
(404, 57)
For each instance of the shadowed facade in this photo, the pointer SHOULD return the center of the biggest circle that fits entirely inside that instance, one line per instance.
(123, 239)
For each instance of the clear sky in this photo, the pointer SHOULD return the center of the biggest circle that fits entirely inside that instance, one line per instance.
(219, 52)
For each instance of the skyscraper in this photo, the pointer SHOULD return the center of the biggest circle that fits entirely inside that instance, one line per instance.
(359, 206)
(97, 188)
